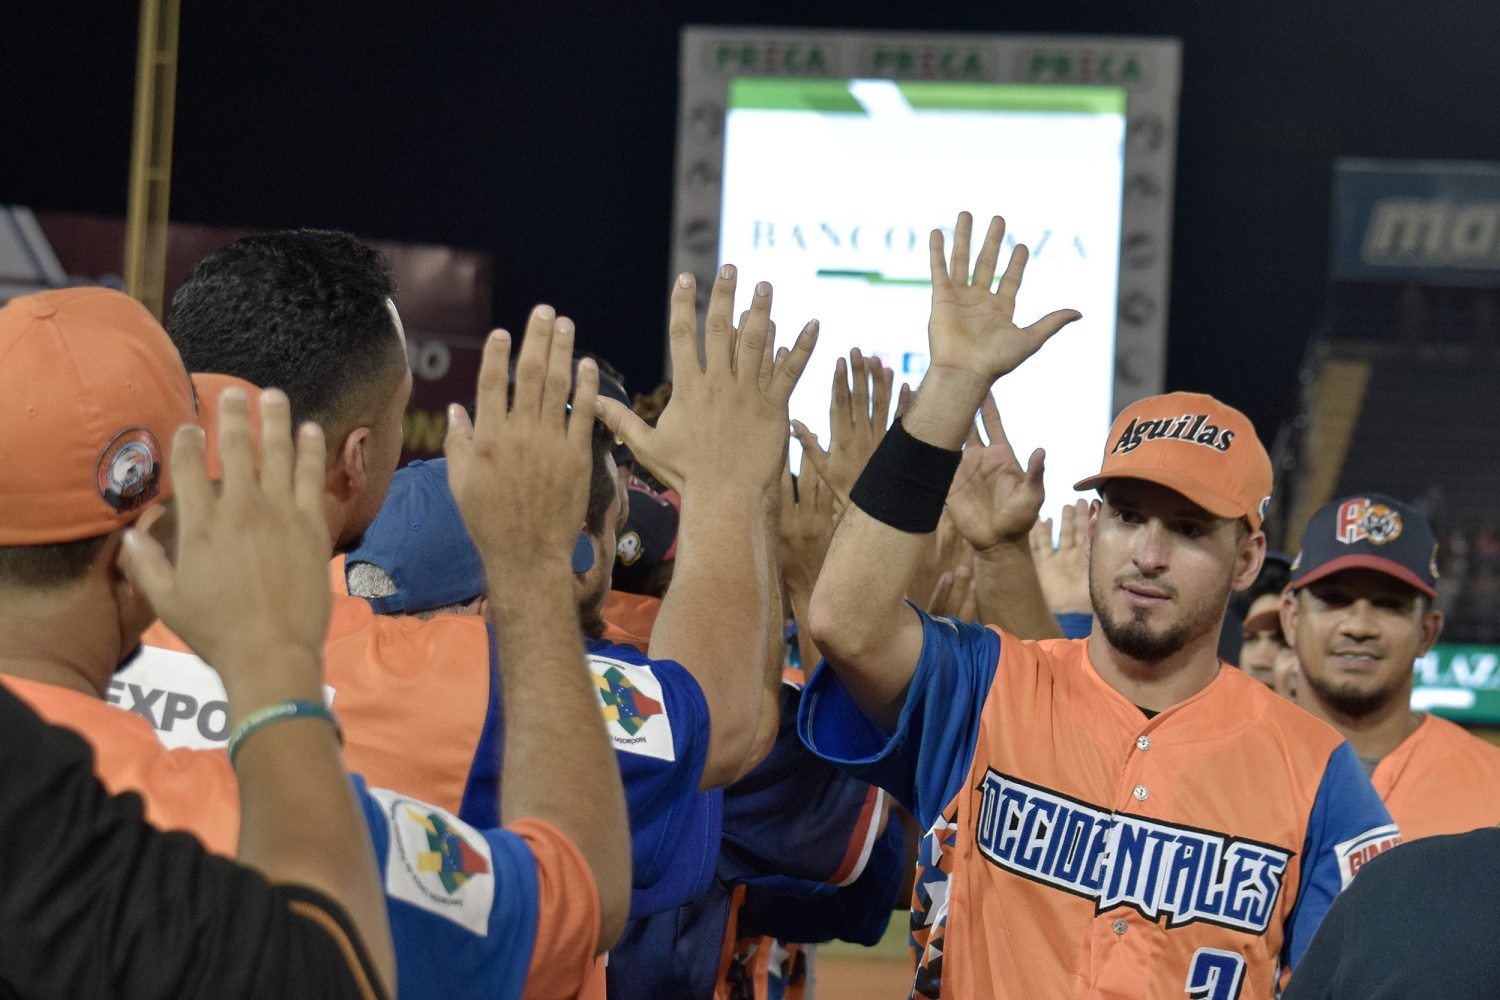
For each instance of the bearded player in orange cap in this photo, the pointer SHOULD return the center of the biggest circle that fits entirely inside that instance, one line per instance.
(1116, 816)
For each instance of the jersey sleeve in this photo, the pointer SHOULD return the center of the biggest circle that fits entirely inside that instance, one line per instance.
(97, 903)
(923, 761)
(657, 718)
(796, 815)
(857, 912)
(481, 800)
(466, 906)
(1075, 624)
(1347, 827)
(568, 913)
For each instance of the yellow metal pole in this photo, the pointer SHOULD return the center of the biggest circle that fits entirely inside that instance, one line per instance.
(151, 154)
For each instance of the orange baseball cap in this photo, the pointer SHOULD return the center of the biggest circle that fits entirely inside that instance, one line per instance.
(1196, 445)
(209, 388)
(91, 392)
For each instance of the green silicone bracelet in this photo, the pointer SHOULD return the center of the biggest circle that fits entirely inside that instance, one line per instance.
(282, 711)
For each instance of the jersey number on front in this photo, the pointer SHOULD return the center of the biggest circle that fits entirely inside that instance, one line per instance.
(1215, 974)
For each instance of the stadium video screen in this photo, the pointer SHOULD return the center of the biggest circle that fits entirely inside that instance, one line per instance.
(1459, 682)
(830, 190)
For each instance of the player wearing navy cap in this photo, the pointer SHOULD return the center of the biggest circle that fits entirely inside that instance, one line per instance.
(1359, 614)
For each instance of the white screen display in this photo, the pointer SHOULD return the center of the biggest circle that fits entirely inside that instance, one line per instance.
(832, 186)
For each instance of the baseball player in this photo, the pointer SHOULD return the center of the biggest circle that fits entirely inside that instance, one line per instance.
(654, 711)
(1359, 614)
(808, 854)
(1118, 816)
(470, 911)
(794, 826)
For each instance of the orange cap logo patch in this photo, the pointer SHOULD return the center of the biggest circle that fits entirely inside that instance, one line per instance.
(129, 470)
(1359, 520)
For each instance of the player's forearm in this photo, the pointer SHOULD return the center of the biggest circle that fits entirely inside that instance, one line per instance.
(768, 718)
(942, 411)
(716, 618)
(559, 765)
(858, 614)
(301, 824)
(1010, 595)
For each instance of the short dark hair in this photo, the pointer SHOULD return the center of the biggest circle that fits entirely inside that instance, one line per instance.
(606, 369)
(42, 566)
(301, 310)
(603, 487)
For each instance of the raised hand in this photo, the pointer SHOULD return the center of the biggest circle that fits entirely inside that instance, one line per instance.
(1064, 571)
(249, 589)
(521, 473)
(727, 419)
(972, 329)
(857, 418)
(809, 515)
(955, 595)
(993, 499)
(944, 551)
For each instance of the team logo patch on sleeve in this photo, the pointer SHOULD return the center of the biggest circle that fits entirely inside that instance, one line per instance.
(437, 862)
(635, 713)
(1353, 854)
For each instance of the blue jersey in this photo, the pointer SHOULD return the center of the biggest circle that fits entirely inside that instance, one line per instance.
(466, 905)
(801, 852)
(1076, 844)
(657, 718)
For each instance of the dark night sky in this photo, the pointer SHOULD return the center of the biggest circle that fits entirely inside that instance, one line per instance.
(546, 138)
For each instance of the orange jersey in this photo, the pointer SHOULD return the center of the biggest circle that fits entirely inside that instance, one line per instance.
(629, 618)
(1441, 779)
(398, 679)
(491, 911)
(1077, 848)
(389, 679)
(186, 790)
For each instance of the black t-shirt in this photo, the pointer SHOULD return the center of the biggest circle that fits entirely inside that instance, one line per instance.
(1418, 923)
(94, 902)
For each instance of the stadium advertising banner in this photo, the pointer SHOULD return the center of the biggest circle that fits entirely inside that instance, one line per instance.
(1459, 682)
(1426, 221)
(821, 160)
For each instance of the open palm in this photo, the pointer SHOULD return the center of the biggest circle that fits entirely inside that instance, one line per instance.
(994, 499)
(971, 328)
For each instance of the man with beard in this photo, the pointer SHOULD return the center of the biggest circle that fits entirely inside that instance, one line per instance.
(1359, 614)
(1111, 816)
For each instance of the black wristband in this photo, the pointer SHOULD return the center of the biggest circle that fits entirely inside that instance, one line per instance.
(906, 482)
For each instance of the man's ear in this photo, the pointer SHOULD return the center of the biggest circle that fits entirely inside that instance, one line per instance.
(1432, 627)
(1088, 529)
(129, 598)
(1248, 560)
(348, 467)
(1289, 611)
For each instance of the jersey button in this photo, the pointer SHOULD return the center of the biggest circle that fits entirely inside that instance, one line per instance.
(1120, 926)
(1143, 743)
(1142, 793)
